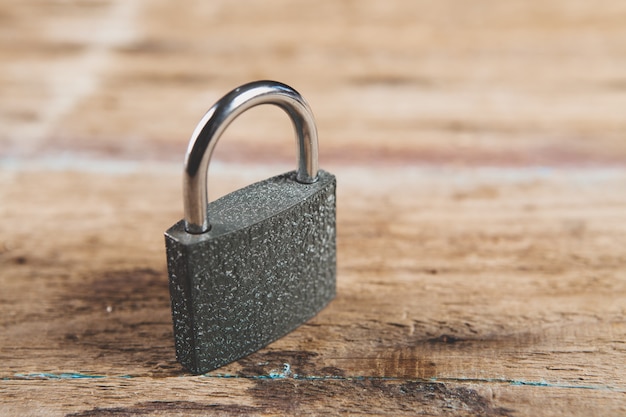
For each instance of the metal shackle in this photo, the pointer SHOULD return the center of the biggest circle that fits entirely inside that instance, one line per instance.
(215, 122)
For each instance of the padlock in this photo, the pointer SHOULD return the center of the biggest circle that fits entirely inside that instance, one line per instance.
(248, 268)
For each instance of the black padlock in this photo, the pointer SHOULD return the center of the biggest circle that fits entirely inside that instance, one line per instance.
(252, 266)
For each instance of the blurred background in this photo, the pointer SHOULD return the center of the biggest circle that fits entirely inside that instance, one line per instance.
(481, 83)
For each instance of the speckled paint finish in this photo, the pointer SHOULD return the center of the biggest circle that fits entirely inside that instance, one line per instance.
(267, 265)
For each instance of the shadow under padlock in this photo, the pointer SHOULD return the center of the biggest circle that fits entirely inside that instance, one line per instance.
(250, 267)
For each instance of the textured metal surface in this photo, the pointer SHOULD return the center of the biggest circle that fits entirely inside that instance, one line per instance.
(267, 265)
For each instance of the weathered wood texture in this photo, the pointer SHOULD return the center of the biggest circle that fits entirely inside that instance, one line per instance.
(481, 159)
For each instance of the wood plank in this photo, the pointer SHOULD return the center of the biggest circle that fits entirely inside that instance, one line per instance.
(481, 161)
(438, 290)
(202, 395)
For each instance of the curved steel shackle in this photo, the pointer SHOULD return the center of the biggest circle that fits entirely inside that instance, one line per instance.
(217, 119)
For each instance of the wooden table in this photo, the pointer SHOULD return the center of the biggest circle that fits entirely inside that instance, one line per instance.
(481, 159)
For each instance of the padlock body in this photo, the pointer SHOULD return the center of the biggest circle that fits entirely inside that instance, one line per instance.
(267, 265)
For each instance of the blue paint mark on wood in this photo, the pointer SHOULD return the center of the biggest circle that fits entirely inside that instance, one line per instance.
(45, 375)
(287, 372)
(517, 382)
(64, 375)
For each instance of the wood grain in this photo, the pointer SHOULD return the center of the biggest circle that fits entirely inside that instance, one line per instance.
(481, 164)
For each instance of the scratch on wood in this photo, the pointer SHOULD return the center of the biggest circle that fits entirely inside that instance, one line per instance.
(445, 338)
(329, 374)
(65, 375)
(355, 396)
(167, 408)
(288, 395)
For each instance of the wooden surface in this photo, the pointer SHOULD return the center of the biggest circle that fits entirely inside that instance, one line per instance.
(481, 159)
